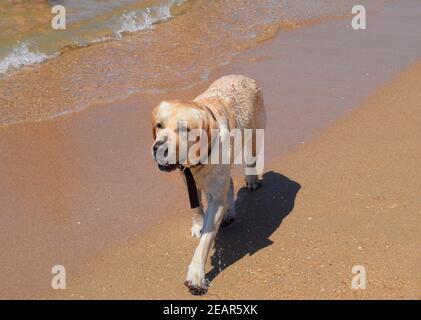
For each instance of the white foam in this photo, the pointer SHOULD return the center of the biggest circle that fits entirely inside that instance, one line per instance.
(143, 19)
(129, 22)
(21, 56)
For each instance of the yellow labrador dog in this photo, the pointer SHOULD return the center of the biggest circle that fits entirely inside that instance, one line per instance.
(233, 102)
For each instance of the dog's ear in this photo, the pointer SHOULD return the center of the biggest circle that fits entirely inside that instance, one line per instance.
(209, 124)
(209, 119)
(154, 115)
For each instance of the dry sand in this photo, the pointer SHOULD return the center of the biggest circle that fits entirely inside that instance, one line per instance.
(349, 198)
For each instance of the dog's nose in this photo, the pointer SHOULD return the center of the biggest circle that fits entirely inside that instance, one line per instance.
(156, 146)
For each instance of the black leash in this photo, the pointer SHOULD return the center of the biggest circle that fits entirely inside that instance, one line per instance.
(191, 187)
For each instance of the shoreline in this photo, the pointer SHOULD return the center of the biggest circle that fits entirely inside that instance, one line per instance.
(82, 186)
(169, 56)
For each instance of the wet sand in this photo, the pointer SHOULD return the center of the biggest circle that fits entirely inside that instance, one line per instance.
(82, 191)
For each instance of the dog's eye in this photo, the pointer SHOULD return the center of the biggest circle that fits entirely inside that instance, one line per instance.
(159, 125)
(184, 129)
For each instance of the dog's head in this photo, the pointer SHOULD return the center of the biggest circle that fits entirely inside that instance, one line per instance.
(182, 134)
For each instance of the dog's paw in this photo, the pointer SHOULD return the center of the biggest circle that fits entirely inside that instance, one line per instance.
(227, 221)
(195, 280)
(194, 290)
(196, 230)
(252, 183)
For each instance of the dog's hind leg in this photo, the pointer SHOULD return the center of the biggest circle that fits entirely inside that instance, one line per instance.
(254, 162)
(252, 180)
(254, 168)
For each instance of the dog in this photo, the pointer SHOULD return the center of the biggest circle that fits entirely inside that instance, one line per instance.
(231, 102)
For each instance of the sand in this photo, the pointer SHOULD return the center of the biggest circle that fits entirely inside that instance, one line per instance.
(349, 198)
(82, 191)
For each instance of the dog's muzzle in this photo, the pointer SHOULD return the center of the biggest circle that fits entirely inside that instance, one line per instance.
(160, 154)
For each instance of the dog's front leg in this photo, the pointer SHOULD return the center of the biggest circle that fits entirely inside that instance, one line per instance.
(198, 214)
(196, 273)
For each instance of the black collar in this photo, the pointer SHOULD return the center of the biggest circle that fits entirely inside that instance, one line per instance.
(191, 187)
(191, 184)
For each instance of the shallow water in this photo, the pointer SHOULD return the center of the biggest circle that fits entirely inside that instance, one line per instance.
(26, 35)
(143, 55)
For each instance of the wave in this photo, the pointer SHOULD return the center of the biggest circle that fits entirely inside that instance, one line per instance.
(127, 22)
(21, 56)
(143, 19)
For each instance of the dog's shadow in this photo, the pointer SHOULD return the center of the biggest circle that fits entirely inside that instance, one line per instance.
(258, 214)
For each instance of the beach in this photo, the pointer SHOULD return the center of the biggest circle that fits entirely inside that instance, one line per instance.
(348, 198)
(341, 186)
